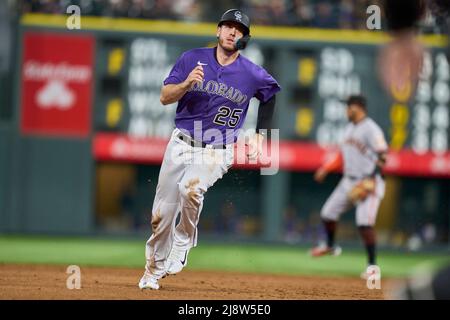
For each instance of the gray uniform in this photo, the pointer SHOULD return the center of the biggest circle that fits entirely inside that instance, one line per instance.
(360, 147)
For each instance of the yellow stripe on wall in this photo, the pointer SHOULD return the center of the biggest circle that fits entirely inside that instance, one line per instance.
(209, 29)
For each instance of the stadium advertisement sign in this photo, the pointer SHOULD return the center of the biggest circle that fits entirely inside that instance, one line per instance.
(56, 84)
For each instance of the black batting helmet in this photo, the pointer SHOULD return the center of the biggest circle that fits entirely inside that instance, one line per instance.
(238, 16)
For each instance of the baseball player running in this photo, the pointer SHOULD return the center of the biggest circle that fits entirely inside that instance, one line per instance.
(362, 154)
(213, 87)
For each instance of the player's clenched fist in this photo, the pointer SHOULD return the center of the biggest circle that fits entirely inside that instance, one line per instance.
(196, 75)
(171, 93)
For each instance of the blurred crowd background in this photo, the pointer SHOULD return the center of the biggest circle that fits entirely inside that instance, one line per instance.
(341, 14)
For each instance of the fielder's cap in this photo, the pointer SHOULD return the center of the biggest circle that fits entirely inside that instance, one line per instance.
(238, 16)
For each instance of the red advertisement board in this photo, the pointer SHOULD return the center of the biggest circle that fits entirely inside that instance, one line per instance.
(56, 84)
(293, 155)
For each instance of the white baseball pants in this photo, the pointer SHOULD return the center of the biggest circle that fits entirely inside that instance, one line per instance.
(366, 210)
(186, 174)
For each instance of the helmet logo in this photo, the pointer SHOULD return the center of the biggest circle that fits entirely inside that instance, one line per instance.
(238, 16)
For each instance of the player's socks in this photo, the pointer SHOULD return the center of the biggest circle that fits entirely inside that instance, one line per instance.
(368, 236)
(371, 254)
(330, 228)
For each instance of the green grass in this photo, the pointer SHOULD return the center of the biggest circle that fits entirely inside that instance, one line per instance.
(207, 256)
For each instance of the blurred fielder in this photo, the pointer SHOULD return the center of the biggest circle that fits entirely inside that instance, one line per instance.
(362, 155)
(213, 87)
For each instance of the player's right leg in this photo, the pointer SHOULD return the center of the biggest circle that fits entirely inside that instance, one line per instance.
(335, 205)
(165, 208)
(198, 178)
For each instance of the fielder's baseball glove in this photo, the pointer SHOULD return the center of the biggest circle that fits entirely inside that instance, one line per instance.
(362, 189)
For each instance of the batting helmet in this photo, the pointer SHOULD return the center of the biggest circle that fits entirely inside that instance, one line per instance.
(238, 16)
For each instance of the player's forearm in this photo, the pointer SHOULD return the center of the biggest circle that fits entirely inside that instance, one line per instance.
(173, 92)
(265, 115)
(334, 163)
(381, 162)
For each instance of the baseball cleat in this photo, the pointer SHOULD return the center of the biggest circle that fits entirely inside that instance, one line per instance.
(148, 281)
(320, 251)
(177, 261)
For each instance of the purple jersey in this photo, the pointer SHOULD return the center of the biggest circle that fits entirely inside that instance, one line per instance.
(221, 101)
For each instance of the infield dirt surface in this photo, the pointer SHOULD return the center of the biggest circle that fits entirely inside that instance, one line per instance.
(49, 282)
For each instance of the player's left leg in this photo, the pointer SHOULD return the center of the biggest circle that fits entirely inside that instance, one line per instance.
(198, 178)
(366, 213)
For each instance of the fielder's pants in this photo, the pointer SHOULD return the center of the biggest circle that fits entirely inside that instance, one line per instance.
(366, 210)
(186, 174)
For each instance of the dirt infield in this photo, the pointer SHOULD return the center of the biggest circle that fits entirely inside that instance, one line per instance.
(49, 282)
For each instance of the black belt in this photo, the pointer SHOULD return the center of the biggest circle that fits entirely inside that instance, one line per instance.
(360, 178)
(355, 178)
(198, 144)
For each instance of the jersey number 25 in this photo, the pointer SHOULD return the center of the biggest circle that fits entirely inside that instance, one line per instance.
(226, 116)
